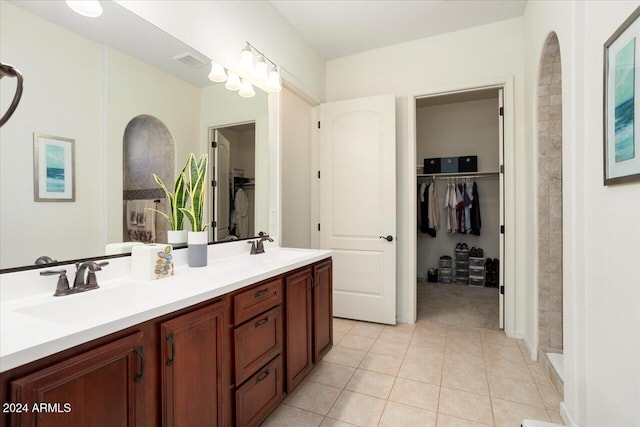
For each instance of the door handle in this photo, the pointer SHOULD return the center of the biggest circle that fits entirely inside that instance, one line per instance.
(388, 238)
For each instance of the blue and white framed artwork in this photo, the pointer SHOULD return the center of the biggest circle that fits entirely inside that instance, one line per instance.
(53, 169)
(622, 103)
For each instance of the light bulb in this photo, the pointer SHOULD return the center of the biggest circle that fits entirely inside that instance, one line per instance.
(261, 69)
(246, 61)
(246, 91)
(233, 81)
(90, 8)
(217, 73)
(273, 83)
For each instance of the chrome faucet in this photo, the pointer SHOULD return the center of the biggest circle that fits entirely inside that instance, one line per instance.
(257, 246)
(85, 279)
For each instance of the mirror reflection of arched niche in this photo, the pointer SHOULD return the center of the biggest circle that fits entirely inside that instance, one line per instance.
(148, 148)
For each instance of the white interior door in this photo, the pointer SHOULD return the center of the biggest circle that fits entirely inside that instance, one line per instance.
(222, 189)
(501, 151)
(358, 205)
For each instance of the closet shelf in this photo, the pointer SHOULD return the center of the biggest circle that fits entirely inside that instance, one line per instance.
(458, 175)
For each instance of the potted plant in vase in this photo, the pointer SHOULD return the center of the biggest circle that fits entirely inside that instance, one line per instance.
(176, 201)
(195, 176)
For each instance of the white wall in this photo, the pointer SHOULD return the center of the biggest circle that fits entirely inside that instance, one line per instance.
(297, 131)
(54, 102)
(219, 29)
(601, 253)
(450, 60)
(135, 88)
(458, 129)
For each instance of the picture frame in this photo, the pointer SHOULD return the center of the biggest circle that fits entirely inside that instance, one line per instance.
(622, 103)
(53, 169)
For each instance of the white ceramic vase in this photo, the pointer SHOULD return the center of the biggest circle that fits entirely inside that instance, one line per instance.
(197, 249)
(177, 237)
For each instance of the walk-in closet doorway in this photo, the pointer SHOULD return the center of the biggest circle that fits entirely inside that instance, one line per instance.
(441, 126)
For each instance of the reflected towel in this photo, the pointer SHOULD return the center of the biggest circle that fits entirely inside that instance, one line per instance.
(141, 223)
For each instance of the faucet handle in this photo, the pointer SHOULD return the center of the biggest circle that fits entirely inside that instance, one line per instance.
(253, 247)
(62, 287)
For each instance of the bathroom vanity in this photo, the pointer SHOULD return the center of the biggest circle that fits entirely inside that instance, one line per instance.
(219, 345)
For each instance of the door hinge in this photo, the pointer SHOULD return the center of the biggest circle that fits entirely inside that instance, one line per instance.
(214, 144)
(501, 168)
(214, 183)
(318, 174)
(214, 224)
(501, 111)
(318, 226)
(501, 289)
(502, 229)
(318, 124)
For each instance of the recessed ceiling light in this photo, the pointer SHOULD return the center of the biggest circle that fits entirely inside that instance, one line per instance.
(90, 8)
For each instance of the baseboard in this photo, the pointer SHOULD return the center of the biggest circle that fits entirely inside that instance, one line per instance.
(566, 417)
(533, 354)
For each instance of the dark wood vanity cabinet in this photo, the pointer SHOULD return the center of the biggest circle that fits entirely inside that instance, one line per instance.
(192, 362)
(309, 319)
(101, 387)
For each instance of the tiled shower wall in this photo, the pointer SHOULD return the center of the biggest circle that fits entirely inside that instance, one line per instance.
(550, 197)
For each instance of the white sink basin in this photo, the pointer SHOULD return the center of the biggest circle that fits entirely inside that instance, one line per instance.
(91, 304)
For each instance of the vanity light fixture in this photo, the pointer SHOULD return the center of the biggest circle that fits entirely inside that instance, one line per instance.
(257, 67)
(233, 81)
(90, 8)
(261, 69)
(274, 81)
(246, 61)
(217, 74)
(246, 90)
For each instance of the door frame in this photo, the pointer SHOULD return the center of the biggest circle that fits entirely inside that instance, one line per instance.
(508, 264)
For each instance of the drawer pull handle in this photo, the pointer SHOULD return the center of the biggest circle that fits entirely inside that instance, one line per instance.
(262, 376)
(173, 349)
(140, 354)
(261, 322)
(261, 293)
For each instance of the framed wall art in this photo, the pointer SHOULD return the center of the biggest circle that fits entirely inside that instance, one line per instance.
(53, 169)
(622, 103)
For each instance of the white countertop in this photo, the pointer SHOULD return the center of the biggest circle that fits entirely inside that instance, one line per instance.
(38, 325)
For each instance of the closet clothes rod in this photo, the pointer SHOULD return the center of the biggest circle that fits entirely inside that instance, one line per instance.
(458, 175)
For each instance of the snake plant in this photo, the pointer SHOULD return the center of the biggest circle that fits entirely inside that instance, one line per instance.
(195, 176)
(175, 200)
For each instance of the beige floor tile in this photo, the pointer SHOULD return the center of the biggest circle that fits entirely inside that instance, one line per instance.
(516, 369)
(345, 356)
(510, 414)
(465, 362)
(397, 414)
(436, 343)
(396, 335)
(388, 348)
(314, 397)
(331, 422)
(502, 351)
(539, 375)
(464, 346)
(421, 370)
(421, 352)
(429, 328)
(415, 393)
(372, 330)
(358, 409)
(515, 391)
(555, 417)
(289, 416)
(371, 383)
(343, 325)
(337, 337)
(389, 365)
(331, 374)
(458, 379)
(465, 405)
(449, 421)
(356, 342)
(550, 397)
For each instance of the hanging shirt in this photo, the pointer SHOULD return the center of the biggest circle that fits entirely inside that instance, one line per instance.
(434, 212)
(468, 200)
(476, 221)
(241, 205)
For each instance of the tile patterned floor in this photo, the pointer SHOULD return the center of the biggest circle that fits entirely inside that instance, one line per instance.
(453, 368)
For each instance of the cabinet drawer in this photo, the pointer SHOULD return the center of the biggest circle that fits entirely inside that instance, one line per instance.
(257, 342)
(259, 395)
(250, 303)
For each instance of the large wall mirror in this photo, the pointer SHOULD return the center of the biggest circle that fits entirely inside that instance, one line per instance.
(135, 101)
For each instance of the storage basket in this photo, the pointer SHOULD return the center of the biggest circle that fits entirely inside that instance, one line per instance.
(476, 282)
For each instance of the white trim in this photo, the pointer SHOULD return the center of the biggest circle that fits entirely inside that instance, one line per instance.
(315, 182)
(566, 416)
(505, 82)
(275, 165)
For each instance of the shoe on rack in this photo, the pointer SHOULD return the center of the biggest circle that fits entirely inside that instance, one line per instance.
(465, 248)
(459, 247)
(480, 253)
(472, 252)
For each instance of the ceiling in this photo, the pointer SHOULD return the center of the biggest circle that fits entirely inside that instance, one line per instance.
(337, 28)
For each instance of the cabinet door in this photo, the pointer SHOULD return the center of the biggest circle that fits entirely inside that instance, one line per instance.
(322, 309)
(298, 326)
(193, 354)
(102, 387)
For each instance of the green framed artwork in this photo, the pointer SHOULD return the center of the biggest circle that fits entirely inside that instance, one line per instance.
(53, 169)
(622, 103)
